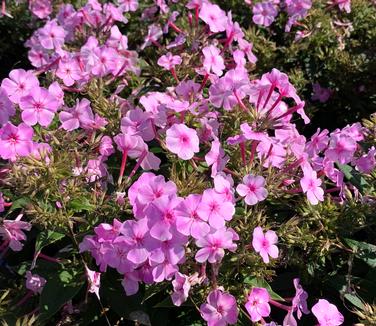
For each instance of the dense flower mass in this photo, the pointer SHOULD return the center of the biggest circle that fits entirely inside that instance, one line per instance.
(240, 189)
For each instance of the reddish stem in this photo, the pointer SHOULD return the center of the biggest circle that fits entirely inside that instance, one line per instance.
(141, 158)
(175, 28)
(206, 77)
(25, 298)
(122, 167)
(242, 153)
(240, 102)
(253, 151)
(173, 72)
(48, 258)
(8, 204)
(279, 305)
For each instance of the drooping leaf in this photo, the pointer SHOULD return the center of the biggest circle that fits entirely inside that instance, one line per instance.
(80, 205)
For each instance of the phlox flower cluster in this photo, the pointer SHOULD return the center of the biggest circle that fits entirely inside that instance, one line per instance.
(185, 124)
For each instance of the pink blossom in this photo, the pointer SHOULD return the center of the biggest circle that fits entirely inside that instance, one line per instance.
(311, 185)
(12, 231)
(214, 16)
(162, 217)
(188, 222)
(319, 141)
(41, 8)
(223, 184)
(246, 47)
(105, 147)
(137, 122)
(215, 209)
(51, 35)
(129, 5)
(133, 146)
(253, 189)
(341, 148)
(2, 202)
(344, 5)
(15, 141)
(181, 289)
(80, 115)
(367, 162)
(327, 313)
(258, 304)
(7, 109)
(182, 141)
(265, 244)
(38, 107)
(321, 94)
(34, 282)
(216, 158)
(264, 13)
(69, 71)
(213, 60)
(94, 279)
(213, 245)
(154, 33)
(20, 83)
(220, 309)
(169, 61)
(106, 62)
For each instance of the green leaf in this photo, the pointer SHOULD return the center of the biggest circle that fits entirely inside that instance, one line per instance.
(46, 238)
(80, 205)
(364, 251)
(19, 203)
(354, 177)
(261, 283)
(59, 289)
(355, 300)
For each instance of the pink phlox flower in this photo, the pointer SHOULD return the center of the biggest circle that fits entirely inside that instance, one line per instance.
(220, 309)
(233, 30)
(7, 109)
(35, 282)
(132, 145)
(216, 158)
(213, 60)
(319, 141)
(265, 244)
(247, 47)
(138, 239)
(290, 138)
(264, 13)
(327, 313)
(311, 185)
(214, 16)
(215, 209)
(107, 61)
(182, 141)
(298, 8)
(188, 221)
(80, 115)
(181, 287)
(20, 83)
(69, 71)
(15, 141)
(356, 131)
(154, 34)
(55, 90)
(258, 304)
(253, 189)
(209, 129)
(39, 106)
(213, 246)
(343, 5)
(299, 302)
(224, 185)
(130, 283)
(94, 279)
(169, 61)
(117, 40)
(341, 148)
(321, 94)
(187, 89)
(366, 163)
(13, 232)
(129, 5)
(271, 152)
(89, 52)
(161, 216)
(106, 147)
(96, 170)
(40, 8)
(146, 189)
(51, 36)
